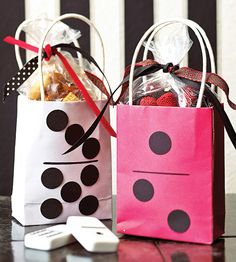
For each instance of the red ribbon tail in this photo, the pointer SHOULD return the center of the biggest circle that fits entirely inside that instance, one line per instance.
(85, 94)
(11, 40)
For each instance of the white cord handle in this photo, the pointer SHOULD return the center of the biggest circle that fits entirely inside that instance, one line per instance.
(148, 32)
(62, 17)
(205, 38)
(17, 36)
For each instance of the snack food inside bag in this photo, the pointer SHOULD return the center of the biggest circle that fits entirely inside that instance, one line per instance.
(170, 45)
(58, 85)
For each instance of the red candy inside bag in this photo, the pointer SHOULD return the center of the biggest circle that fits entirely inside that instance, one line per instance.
(155, 90)
(164, 88)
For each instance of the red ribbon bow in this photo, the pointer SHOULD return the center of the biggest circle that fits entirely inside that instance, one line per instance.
(49, 51)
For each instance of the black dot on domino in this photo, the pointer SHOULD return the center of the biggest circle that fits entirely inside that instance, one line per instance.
(57, 120)
(91, 148)
(71, 192)
(143, 190)
(88, 205)
(160, 143)
(73, 133)
(51, 208)
(52, 178)
(89, 175)
(178, 221)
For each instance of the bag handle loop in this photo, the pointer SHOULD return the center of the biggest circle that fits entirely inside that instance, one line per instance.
(41, 45)
(17, 36)
(148, 32)
(203, 35)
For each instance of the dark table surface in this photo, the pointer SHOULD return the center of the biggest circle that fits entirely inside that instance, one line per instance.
(130, 248)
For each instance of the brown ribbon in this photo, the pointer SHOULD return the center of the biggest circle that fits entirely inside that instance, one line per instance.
(187, 73)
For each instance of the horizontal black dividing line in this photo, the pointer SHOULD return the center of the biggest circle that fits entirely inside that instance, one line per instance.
(70, 163)
(160, 173)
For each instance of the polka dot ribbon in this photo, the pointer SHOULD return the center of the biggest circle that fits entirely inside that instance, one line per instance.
(21, 76)
(31, 66)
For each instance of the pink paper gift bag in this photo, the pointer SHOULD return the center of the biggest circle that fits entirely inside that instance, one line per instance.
(170, 173)
(170, 163)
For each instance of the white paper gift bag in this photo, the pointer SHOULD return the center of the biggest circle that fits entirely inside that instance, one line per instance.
(54, 178)
(49, 186)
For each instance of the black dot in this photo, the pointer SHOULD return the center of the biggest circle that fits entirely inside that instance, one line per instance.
(91, 148)
(180, 257)
(71, 192)
(73, 133)
(51, 208)
(89, 175)
(88, 205)
(178, 221)
(143, 190)
(57, 120)
(52, 178)
(160, 143)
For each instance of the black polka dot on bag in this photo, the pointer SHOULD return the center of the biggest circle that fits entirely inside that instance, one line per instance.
(71, 192)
